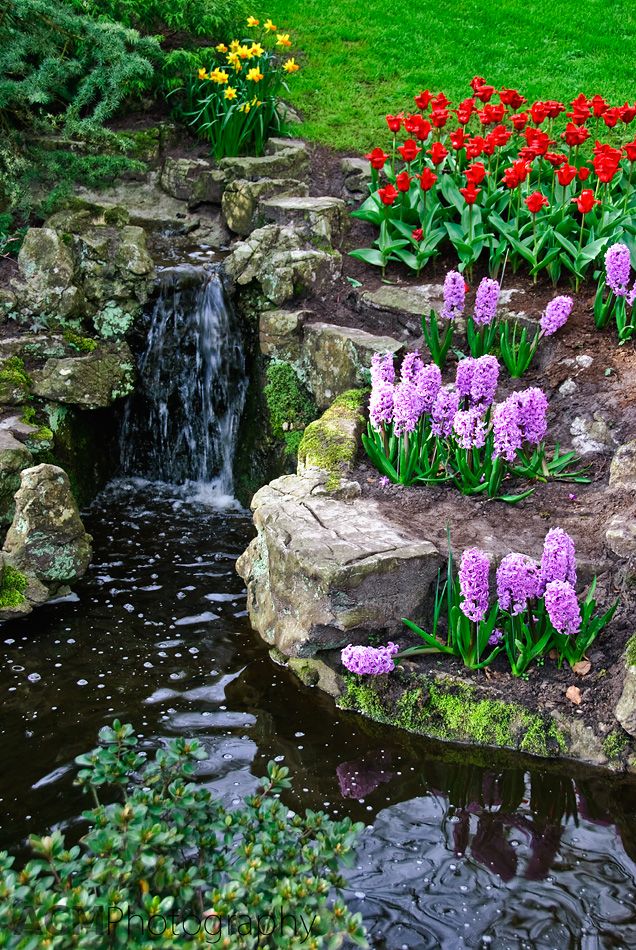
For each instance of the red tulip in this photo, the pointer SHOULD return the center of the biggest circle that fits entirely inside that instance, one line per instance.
(567, 174)
(409, 150)
(484, 93)
(377, 158)
(464, 111)
(470, 193)
(536, 201)
(584, 173)
(417, 234)
(394, 122)
(556, 159)
(500, 135)
(476, 82)
(439, 117)
(537, 140)
(539, 112)
(387, 195)
(519, 121)
(412, 123)
(440, 101)
(475, 146)
(586, 201)
(512, 98)
(491, 113)
(427, 179)
(599, 105)
(423, 129)
(423, 99)
(510, 179)
(611, 116)
(630, 151)
(580, 110)
(403, 181)
(575, 134)
(475, 173)
(458, 139)
(554, 108)
(438, 153)
(627, 113)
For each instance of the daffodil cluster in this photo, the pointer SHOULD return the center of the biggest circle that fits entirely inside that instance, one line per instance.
(236, 98)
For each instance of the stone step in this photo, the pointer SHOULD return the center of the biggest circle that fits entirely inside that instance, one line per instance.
(322, 219)
(287, 159)
(241, 199)
(194, 180)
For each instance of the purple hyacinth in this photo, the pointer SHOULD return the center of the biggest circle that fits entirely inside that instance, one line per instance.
(469, 426)
(495, 638)
(381, 403)
(558, 561)
(518, 581)
(506, 428)
(407, 408)
(556, 314)
(477, 379)
(428, 382)
(412, 366)
(533, 409)
(617, 269)
(474, 571)
(382, 368)
(369, 661)
(486, 301)
(454, 295)
(563, 607)
(444, 411)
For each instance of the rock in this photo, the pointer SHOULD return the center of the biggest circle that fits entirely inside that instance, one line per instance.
(357, 178)
(15, 384)
(47, 539)
(14, 457)
(591, 436)
(92, 380)
(338, 358)
(48, 267)
(623, 468)
(287, 115)
(280, 333)
(278, 260)
(331, 443)
(241, 198)
(323, 220)
(193, 180)
(323, 572)
(626, 707)
(620, 535)
(414, 301)
(34, 346)
(286, 159)
(313, 671)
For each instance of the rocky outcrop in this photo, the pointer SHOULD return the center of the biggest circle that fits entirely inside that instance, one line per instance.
(14, 458)
(322, 220)
(623, 468)
(331, 443)
(282, 265)
(241, 200)
(193, 180)
(46, 547)
(94, 380)
(285, 158)
(325, 570)
(48, 272)
(357, 178)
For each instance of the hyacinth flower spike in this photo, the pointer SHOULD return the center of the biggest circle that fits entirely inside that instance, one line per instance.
(517, 349)
(482, 326)
(437, 340)
(615, 305)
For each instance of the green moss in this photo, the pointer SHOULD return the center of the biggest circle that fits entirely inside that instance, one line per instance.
(453, 711)
(328, 443)
(615, 744)
(289, 405)
(13, 374)
(12, 587)
(83, 344)
(630, 651)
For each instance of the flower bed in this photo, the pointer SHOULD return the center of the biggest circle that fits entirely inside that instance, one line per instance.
(506, 181)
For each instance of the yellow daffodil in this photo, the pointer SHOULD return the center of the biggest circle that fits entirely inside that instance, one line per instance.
(221, 48)
(245, 107)
(291, 66)
(252, 21)
(233, 60)
(219, 76)
(203, 74)
(256, 102)
(230, 93)
(282, 39)
(234, 45)
(255, 75)
(256, 49)
(245, 52)
(270, 27)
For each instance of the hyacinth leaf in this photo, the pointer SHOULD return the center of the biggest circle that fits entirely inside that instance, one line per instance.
(513, 499)
(431, 640)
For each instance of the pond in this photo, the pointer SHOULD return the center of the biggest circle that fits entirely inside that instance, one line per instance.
(461, 849)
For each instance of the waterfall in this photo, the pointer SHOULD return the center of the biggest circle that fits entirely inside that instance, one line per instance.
(181, 424)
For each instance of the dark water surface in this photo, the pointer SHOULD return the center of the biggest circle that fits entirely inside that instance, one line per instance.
(500, 853)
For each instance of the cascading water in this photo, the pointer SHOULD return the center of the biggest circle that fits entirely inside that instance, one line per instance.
(181, 425)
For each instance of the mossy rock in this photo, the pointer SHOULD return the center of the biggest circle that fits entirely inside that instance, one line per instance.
(15, 382)
(331, 442)
(289, 405)
(441, 707)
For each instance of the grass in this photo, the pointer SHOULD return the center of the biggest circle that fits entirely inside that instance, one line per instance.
(364, 58)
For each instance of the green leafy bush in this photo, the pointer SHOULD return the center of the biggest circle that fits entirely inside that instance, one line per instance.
(167, 865)
(198, 17)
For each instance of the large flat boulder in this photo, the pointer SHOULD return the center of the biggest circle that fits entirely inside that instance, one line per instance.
(93, 380)
(193, 180)
(14, 457)
(241, 200)
(323, 220)
(286, 158)
(325, 571)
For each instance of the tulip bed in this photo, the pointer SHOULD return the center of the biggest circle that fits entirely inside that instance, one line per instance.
(495, 178)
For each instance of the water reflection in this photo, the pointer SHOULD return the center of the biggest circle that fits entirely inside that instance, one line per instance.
(462, 848)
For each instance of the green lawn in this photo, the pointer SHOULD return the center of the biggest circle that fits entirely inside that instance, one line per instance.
(364, 58)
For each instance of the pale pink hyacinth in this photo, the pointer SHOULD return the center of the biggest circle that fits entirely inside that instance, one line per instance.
(477, 379)
(486, 301)
(469, 426)
(474, 571)
(369, 661)
(444, 411)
